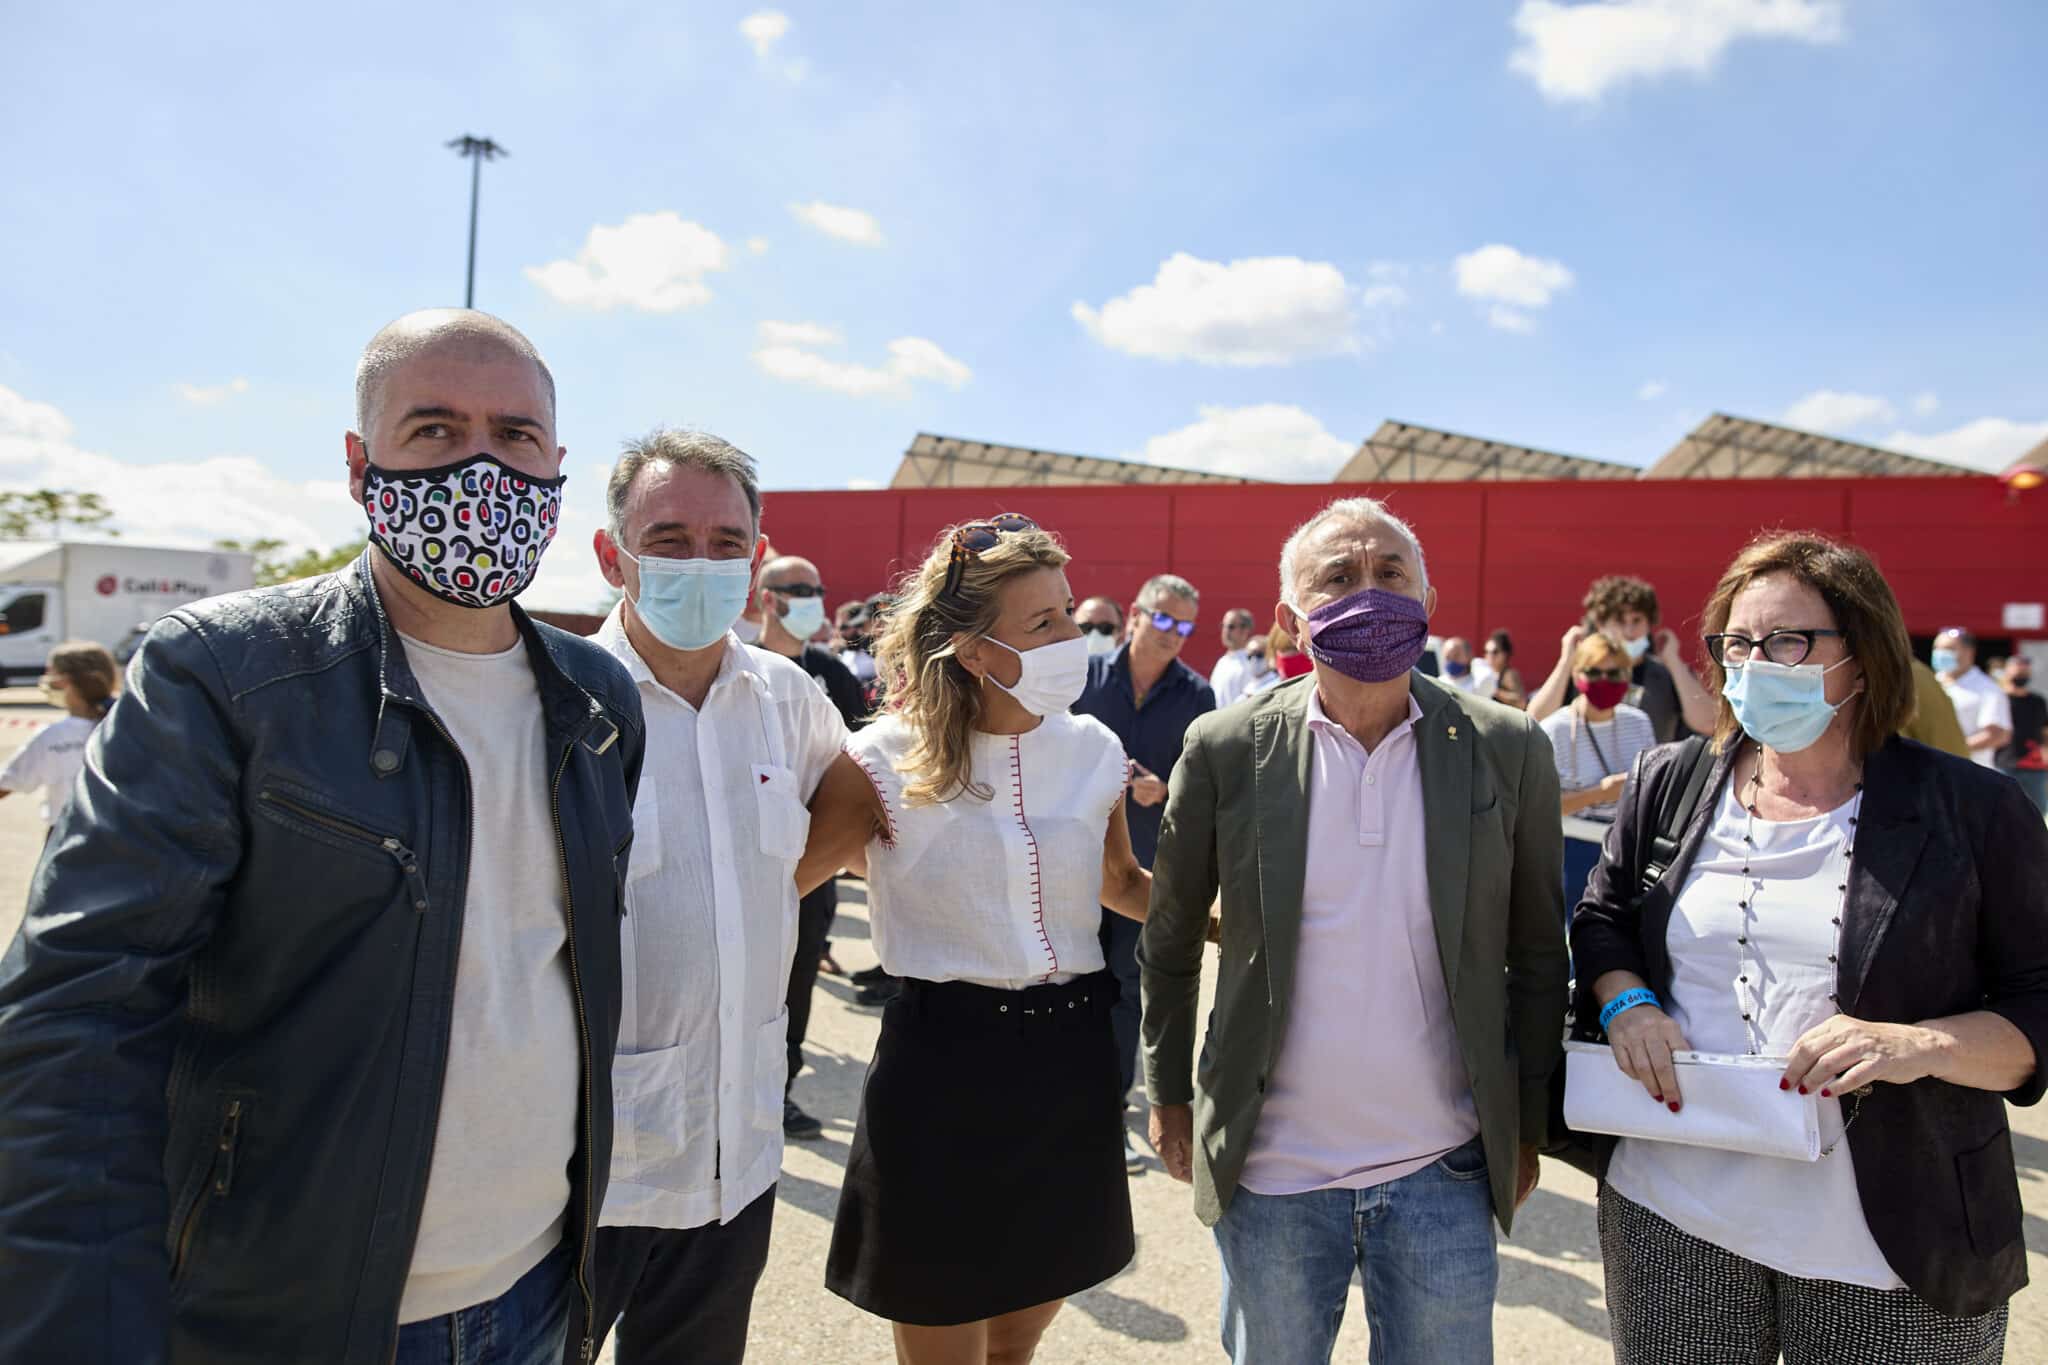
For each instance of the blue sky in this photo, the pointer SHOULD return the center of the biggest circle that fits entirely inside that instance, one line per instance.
(1236, 236)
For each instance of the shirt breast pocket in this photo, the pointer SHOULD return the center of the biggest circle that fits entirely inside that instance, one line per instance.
(783, 821)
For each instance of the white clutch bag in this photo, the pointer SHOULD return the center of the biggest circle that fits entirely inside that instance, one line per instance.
(1729, 1102)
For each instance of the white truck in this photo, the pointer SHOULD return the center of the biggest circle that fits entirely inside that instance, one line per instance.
(57, 590)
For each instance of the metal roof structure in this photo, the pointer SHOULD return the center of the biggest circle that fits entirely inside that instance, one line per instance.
(1400, 452)
(954, 462)
(1724, 447)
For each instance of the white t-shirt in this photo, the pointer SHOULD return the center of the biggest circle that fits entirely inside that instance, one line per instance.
(1587, 752)
(1005, 892)
(1800, 1218)
(50, 760)
(709, 931)
(1231, 678)
(1485, 680)
(499, 1183)
(1979, 703)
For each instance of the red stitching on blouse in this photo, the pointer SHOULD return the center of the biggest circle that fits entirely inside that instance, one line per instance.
(881, 795)
(1031, 851)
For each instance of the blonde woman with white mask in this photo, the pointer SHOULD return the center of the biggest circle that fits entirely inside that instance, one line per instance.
(991, 825)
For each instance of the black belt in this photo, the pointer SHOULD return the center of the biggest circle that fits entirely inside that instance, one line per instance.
(965, 1005)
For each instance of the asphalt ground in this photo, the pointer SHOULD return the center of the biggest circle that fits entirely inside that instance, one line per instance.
(1551, 1309)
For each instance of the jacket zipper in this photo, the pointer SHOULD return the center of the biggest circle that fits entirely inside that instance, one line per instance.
(220, 1177)
(415, 879)
(588, 1347)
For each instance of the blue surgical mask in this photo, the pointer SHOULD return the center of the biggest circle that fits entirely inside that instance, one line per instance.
(806, 615)
(1453, 668)
(1783, 707)
(690, 604)
(1637, 647)
(1945, 661)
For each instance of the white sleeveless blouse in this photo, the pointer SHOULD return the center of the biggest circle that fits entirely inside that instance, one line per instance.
(1005, 892)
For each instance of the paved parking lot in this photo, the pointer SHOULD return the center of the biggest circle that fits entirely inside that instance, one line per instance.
(1163, 1308)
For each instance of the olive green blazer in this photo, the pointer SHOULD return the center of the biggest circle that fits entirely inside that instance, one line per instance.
(1236, 822)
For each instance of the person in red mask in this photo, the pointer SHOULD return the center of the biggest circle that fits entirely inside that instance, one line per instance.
(1597, 737)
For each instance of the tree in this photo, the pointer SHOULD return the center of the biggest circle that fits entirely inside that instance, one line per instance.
(275, 565)
(42, 513)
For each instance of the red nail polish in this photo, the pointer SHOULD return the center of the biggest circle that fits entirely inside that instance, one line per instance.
(1674, 1106)
(1827, 1094)
(1784, 1085)
(1659, 1099)
(1802, 1090)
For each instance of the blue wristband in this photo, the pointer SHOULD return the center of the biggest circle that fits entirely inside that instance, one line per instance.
(1624, 1002)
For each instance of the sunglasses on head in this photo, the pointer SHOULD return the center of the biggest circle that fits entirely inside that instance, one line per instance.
(976, 539)
(1098, 628)
(1167, 621)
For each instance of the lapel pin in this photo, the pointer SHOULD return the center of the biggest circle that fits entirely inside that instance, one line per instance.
(1452, 731)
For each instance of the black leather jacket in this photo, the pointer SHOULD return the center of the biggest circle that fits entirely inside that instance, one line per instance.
(1947, 912)
(224, 1023)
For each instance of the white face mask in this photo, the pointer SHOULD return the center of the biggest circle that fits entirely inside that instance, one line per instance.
(806, 616)
(1098, 643)
(1637, 647)
(1053, 677)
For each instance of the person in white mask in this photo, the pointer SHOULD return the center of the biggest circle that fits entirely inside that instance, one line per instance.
(1661, 684)
(991, 824)
(1102, 625)
(739, 739)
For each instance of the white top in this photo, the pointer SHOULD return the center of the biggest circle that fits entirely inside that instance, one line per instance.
(1586, 752)
(1979, 703)
(498, 1186)
(1005, 892)
(1369, 1084)
(859, 662)
(1800, 1218)
(710, 927)
(1231, 679)
(50, 760)
(1485, 680)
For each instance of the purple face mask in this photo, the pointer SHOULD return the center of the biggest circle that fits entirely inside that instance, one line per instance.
(1373, 636)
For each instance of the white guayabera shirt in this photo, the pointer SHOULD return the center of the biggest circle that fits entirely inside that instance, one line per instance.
(710, 927)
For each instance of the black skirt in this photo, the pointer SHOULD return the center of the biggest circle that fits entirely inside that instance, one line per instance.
(987, 1167)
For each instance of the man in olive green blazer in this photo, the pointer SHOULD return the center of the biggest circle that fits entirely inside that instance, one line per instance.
(1463, 916)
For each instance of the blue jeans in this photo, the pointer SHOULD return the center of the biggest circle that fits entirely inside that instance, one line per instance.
(526, 1325)
(1424, 1244)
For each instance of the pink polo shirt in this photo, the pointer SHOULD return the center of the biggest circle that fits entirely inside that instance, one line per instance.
(1369, 1085)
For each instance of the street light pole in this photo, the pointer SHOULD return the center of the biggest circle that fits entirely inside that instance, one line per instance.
(478, 150)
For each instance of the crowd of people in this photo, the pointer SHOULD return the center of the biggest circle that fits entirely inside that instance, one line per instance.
(405, 980)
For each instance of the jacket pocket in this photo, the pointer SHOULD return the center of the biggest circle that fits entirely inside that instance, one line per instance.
(296, 812)
(218, 1184)
(1991, 1194)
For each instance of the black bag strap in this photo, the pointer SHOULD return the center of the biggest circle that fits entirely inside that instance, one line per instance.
(1691, 771)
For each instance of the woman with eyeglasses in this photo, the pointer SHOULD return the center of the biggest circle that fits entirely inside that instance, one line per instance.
(986, 1181)
(1597, 737)
(1866, 917)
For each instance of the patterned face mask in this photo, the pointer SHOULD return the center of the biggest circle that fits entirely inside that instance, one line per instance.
(470, 533)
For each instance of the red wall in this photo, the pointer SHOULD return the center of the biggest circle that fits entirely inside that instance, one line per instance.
(1513, 555)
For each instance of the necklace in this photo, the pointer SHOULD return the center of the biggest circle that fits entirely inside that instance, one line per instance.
(1748, 995)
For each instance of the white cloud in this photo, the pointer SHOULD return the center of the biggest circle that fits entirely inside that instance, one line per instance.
(177, 502)
(1926, 404)
(1264, 310)
(1509, 319)
(653, 262)
(1262, 441)
(763, 30)
(206, 396)
(757, 245)
(798, 334)
(1652, 390)
(1577, 52)
(1989, 443)
(911, 360)
(1500, 274)
(836, 220)
(1827, 410)
(863, 484)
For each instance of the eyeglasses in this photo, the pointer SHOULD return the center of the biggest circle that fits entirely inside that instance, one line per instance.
(1786, 647)
(1605, 674)
(797, 589)
(1167, 621)
(1098, 627)
(977, 538)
